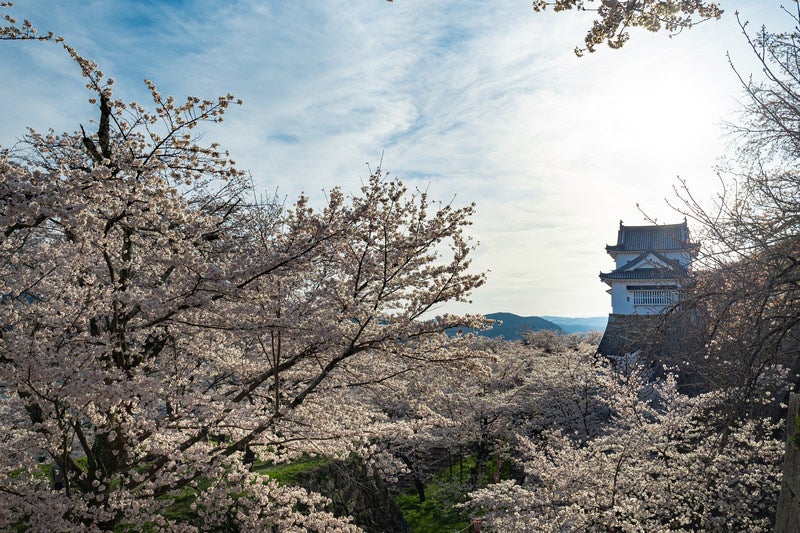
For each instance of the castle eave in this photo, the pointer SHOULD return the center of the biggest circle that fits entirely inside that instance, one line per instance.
(643, 273)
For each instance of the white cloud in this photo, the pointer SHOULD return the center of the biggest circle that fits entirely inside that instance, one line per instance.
(485, 101)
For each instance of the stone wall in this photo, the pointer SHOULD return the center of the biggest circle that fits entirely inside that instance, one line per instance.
(787, 517)
(659, 336)
(356, 493)
(625, 334)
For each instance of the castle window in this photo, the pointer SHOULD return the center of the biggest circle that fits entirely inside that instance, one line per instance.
(654, 297)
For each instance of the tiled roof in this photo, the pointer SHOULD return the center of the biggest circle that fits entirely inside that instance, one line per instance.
(673, 263)
(663, 237)
(645, 273)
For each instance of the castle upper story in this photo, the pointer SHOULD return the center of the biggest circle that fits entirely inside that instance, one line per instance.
(652, 263)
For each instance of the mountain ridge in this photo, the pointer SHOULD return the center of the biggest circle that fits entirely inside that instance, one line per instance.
(579, 324)
(513, 326)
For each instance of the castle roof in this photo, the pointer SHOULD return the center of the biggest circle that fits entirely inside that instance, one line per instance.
(663, 268)
(645, 273)
(663, 237)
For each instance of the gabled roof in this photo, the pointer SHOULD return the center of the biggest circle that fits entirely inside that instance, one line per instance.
(663, 261)
(672, 269)
(664, 237)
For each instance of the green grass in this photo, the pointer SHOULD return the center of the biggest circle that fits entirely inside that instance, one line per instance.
(436, 514)
(287, 473)
(432, 515)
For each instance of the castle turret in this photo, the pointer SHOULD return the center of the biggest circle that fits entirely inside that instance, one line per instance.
(652, 264)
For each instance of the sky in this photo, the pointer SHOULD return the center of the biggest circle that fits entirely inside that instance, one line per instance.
(472, 101)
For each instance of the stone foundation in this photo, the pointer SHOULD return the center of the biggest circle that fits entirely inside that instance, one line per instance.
(626, 334)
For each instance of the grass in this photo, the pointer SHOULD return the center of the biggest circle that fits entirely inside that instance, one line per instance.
(432, 515)
(287, 473)
(437, 514)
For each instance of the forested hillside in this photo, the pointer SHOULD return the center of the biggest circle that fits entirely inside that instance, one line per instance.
(508, 326)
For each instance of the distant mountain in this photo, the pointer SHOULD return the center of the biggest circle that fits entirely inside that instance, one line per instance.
(513, 326)
(576, 325)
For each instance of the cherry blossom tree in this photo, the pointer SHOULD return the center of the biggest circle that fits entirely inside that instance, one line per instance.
(507, 389)
(657, 465)
(614, 18)
(160, 321)
(521, 389)
(744, 310)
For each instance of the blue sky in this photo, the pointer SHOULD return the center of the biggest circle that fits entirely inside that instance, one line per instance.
(481, 101)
